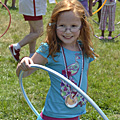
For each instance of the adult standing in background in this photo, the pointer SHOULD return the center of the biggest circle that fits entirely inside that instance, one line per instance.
(86, 6)
(33, 11)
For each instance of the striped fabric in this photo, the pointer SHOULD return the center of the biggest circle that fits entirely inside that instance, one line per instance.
(108, 12)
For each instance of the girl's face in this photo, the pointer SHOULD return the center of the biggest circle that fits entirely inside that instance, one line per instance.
(68, 28)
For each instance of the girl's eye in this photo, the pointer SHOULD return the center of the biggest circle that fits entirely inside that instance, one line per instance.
(74, 26)
(61, 25)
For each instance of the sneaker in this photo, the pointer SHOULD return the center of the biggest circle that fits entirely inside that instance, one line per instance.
(109, 38)
(15, 53)
(14, 8)
(4, 6)
(101, 37)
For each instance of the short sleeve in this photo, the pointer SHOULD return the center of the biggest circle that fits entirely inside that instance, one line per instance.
(91, 59)
(43, 50)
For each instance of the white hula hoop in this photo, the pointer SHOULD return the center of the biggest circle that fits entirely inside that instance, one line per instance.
(66, 80)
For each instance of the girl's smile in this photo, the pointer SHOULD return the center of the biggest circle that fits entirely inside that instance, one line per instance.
(67, 37)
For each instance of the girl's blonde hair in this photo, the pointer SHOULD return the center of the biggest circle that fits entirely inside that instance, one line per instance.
(85, 32)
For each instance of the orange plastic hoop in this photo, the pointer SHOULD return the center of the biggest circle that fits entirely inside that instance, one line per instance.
(99, 8)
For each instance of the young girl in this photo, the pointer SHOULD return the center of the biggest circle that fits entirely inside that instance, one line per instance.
(108, 10)
(67, 50)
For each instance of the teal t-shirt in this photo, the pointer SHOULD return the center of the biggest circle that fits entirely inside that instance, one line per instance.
(55, 100)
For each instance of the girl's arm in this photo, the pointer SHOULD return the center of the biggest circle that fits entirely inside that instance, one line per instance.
(25, 64)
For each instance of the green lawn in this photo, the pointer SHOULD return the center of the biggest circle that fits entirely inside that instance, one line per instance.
(103, 80)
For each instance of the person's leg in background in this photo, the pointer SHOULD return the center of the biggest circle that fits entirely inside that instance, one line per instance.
(35, 27)
(111, 26)
(5, 2)
(13, 3)
(36, 30)
(103, 20)
(99, 12)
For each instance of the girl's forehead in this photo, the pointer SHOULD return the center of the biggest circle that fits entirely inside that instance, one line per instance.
(67, 13)
(68, 16)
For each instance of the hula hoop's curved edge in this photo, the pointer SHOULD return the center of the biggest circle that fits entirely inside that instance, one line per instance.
(95, 21)
(70, 83)
(112, 37)
(116, 36)
(25, 96)
(118, 23)
(9, 19)
(99, 8)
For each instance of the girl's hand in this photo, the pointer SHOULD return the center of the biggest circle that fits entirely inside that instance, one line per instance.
(25, 64)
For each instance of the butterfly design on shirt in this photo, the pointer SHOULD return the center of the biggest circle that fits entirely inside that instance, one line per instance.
(73, 68)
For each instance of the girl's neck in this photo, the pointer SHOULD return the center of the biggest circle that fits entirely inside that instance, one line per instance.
(72, 47)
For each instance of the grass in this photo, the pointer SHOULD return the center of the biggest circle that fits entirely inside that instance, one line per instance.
(103, 80)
